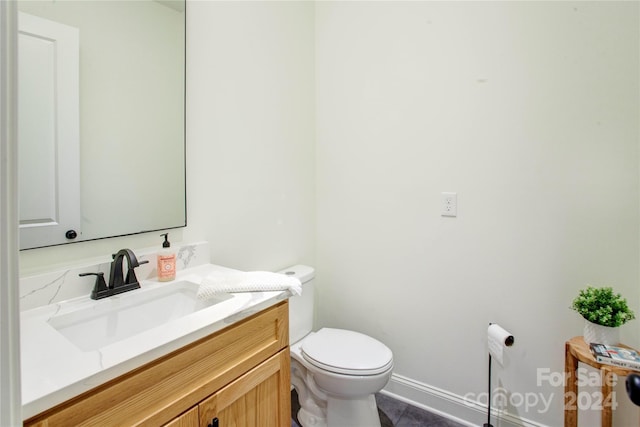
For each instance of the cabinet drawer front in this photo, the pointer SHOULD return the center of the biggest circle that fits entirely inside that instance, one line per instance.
(157, 392)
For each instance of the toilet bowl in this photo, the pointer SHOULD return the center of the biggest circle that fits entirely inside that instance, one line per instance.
(335, 372)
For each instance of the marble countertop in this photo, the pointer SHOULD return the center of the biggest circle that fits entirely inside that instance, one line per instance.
(55, 370)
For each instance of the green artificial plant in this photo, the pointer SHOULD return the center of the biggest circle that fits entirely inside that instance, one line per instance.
(603, 307)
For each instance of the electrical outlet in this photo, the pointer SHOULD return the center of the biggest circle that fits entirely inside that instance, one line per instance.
(449, 205)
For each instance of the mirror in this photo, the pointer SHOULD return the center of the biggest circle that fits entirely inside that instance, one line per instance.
(130, 89)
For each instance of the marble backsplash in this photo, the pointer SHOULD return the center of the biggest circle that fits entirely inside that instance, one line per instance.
(63, 284)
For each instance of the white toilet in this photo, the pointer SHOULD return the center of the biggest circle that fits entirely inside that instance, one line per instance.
(334, 371)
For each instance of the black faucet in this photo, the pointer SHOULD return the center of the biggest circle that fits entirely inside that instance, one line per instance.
(118, 282)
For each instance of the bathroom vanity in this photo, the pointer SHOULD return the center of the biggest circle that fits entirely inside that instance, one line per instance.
(239, 375)
(154, 356)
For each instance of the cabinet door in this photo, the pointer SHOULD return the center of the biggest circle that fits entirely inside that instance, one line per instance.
(188, 419)
(259, 398)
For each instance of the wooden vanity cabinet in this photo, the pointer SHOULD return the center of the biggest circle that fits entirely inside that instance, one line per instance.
(239, 375)
(188, 419)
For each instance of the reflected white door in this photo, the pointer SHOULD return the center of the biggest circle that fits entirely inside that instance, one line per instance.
(48, 132)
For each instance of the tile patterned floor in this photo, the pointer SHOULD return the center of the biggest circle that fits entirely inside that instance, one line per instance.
(393, 413)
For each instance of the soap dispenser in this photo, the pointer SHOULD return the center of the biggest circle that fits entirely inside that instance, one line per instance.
(166, 261)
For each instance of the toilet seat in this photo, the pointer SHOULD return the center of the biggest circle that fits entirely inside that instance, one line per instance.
(346, 352)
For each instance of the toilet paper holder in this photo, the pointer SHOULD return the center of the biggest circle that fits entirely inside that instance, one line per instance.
(497, 340)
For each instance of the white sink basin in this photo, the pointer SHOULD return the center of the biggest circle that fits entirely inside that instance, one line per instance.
(122, 316)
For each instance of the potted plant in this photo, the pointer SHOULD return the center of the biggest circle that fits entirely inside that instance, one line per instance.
(604, 312)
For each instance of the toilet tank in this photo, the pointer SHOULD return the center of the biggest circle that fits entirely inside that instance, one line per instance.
(301, 306)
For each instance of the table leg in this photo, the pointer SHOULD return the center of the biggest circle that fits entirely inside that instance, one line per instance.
(570, 389)
(607, 377)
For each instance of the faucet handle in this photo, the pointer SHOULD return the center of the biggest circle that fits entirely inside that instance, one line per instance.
(131, 278)
(100, 289)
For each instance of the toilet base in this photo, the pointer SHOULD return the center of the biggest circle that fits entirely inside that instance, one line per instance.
(361, 412)
(307, 419)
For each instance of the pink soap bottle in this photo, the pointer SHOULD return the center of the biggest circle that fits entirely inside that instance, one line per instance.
(166, 261)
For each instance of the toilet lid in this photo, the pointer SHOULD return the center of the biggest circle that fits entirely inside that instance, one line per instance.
(346, 352)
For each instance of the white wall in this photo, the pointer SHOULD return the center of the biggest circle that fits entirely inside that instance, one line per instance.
(530, 112)
(250, 131)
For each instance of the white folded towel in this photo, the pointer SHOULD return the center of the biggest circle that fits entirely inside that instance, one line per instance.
(250, 281)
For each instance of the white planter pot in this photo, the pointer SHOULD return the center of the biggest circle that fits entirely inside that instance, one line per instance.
(599, 334)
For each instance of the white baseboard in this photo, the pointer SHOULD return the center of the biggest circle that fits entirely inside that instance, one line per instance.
(450, 405)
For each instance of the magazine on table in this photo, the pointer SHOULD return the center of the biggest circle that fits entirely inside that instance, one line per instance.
(616, 356)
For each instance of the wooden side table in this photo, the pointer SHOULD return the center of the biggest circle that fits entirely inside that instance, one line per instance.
(576, 350)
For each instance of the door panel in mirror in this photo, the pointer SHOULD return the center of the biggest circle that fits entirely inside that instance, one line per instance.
(48, 127)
